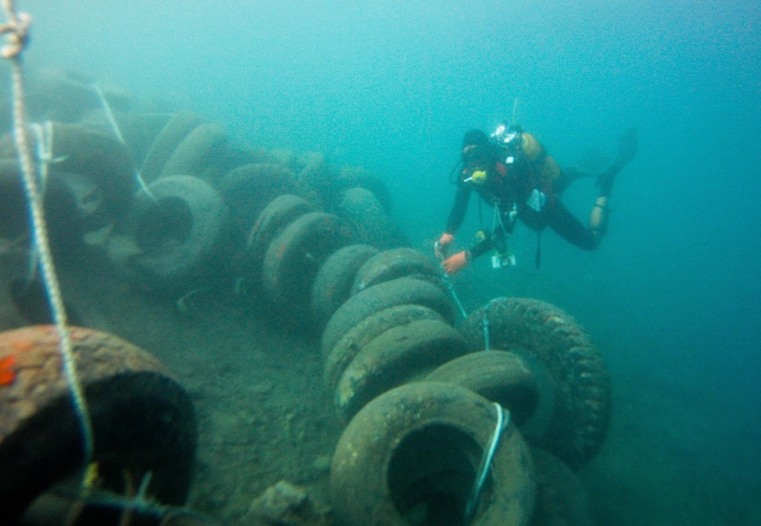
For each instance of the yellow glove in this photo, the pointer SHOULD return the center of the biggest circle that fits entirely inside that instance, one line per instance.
(442, 245)
(456, 262)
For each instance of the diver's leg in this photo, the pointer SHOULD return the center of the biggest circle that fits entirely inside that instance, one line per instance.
(571, 229)
(598, 217)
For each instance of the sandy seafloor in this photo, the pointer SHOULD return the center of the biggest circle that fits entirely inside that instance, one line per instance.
(263, 412)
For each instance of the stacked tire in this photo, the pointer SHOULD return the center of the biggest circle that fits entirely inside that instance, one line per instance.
(574, 391)
(390, 321)
(398, 371)
(286, 247)
(412, 456)
(178, 221)
(86, 186)
(411, 448)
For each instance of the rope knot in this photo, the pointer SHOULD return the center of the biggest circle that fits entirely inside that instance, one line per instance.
(17, 35)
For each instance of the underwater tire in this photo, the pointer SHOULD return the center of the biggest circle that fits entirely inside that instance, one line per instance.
(142, 419)
(356, 338)
(278, 214)
(98, 167)
(352, 177)
(374, 226)
(402, 354)
(499, 376)
(315, 179)
(199, 153)
(399, 291)
(169, 257)
(65, 219)
(332, 286)
(297, 252)
(139, 129)
(52, 94)
(396, 263)
(249, 189)
(165, 143)
(561, 497)
(418, 448)
(581, 385)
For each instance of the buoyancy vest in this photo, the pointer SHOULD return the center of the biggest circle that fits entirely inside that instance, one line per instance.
(517, 172)
(544, 171)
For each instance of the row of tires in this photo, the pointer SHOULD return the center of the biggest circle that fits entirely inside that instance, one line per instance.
(545, 369)
(415, 392)
(172, 200)
(386, 319)
(417, 397)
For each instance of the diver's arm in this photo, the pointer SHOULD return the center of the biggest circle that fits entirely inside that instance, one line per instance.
(454, 221)
(482, 247)
(460, 206)
(456, 262)
(460, 260)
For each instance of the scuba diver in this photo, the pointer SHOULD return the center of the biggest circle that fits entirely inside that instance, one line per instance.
(513, 173)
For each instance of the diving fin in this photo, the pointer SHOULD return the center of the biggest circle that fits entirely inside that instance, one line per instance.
(627, 148)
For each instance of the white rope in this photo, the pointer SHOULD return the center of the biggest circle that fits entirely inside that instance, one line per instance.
(120, 137)
(16, 30)
(503, 420)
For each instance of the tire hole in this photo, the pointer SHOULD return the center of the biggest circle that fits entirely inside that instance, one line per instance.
(164, 225)
(431, 475)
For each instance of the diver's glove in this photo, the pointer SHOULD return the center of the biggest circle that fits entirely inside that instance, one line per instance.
(441, 246)
(627, 149)
(456, 262)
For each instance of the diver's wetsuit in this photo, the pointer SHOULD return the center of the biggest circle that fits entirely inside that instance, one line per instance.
(512, 172)
(510, 192)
